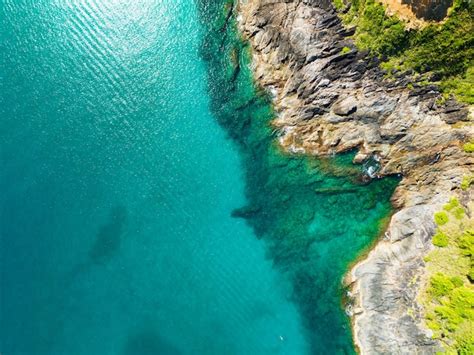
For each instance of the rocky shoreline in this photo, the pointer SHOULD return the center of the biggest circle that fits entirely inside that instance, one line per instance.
(330, 98)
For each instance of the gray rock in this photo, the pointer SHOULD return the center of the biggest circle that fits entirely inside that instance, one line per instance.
(345, 106)
(324, 82)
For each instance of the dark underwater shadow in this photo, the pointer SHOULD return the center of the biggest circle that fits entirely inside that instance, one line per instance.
(105, 246)
(109, 236)
(149, 343)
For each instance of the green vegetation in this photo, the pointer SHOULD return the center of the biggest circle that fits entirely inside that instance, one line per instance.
(467, 181)
(440, 240)
(339, 4)
(345, 50)
(441, 218)
(448, 292)
(443, 52)
(441, 285)
(455, 208)
(452, 204)
(375, 31)
(461, 86)
(468, 147)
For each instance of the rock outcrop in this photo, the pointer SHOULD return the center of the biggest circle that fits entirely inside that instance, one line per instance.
(331, 98)
(431, 10)
(417, 13)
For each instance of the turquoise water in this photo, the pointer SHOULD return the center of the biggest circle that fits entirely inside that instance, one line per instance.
(144, 206)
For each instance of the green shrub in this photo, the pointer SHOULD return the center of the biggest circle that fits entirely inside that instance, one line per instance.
(471, 274)
(466, 243)
(345, 50)
(375, 31)
(458, 212)
(468, 147)
(458, 308)
(460, 86)
(467, 181)
(448, 297)
(462, 300)
(440, 239)
(450, 316)
(453, 203)
(466, 342)
(440, 285)
(338, 4)
(446, 49)
(441, 218)
(433, 325)
(457, 281)
(455, 208)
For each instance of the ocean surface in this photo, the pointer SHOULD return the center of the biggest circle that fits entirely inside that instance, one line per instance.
(145, 207)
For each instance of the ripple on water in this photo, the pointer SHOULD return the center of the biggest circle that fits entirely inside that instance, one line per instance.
(117, 192)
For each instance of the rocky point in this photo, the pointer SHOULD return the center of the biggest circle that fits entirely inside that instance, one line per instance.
(330, 98)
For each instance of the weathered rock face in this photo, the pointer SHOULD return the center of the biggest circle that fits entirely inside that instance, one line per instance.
(330, 100)
(386, 313)
(431, 10)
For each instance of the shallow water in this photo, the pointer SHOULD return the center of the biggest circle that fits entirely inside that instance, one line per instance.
(316, 216)
(133, 141)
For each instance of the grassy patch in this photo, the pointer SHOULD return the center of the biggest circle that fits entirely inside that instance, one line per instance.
(448, 292)
(443, 52)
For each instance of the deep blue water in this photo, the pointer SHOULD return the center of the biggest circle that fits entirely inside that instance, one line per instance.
(145, 207)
